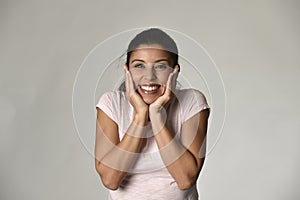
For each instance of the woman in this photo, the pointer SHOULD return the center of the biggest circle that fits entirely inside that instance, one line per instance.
(151, 137)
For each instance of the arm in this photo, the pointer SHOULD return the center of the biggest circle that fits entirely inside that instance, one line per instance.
(114, 157)
(182, 158)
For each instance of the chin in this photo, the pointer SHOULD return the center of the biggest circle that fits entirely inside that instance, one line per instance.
(150, 98)
(149, 101)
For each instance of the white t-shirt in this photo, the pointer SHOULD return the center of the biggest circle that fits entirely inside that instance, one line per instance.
(149, 179)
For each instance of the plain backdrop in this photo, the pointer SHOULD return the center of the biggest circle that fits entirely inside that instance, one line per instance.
(255, 45)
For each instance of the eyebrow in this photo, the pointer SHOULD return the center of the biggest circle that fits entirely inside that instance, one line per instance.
(163, 59)
(135, 60)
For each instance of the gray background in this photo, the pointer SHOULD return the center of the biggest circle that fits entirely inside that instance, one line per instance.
(255, 44)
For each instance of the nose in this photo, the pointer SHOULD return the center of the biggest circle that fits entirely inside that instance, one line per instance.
(150, 74)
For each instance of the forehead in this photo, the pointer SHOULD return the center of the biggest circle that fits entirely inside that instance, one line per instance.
(150, 53)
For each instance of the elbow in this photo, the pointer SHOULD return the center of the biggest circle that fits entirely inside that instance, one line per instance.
(185, 185)
(186, 182)
(110, 184)
(107, 180)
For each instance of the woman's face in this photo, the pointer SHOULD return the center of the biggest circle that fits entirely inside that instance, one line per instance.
(150, 67)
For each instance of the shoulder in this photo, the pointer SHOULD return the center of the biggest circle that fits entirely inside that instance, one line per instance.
(114, 96)
(191, 102)
(190, 95)
(112, 99)
(112, 103)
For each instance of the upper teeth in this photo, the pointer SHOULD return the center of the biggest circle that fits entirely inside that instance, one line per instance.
(149, 88)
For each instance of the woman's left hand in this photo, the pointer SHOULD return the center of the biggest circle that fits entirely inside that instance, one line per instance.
(161, 101)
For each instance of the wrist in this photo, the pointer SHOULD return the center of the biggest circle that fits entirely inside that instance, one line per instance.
(141, 119)
(156, 112)
(158, 120)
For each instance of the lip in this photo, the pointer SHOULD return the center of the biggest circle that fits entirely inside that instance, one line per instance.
(149, 88)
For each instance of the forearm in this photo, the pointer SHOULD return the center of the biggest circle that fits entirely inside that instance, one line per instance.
(180, 162)
(114, 165)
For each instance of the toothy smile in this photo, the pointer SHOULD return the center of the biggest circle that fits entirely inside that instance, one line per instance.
(150, 88)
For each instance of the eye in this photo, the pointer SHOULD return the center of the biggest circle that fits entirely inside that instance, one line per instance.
(139, 66)
(160, 66)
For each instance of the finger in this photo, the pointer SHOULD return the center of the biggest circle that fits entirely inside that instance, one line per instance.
(176, 69)
(168, 86)
(126, 80)
(125, 68)
(130, 81)
(172, 80)
(172, 77)
(175, 75)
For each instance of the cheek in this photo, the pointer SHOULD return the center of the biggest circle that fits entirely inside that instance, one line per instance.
(136, 78)
(163, 77)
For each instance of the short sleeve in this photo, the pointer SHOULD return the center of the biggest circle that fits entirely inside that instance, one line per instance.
(106, 104)
(193, 102)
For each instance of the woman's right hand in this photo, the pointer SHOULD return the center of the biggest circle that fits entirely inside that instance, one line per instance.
(140, 107)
